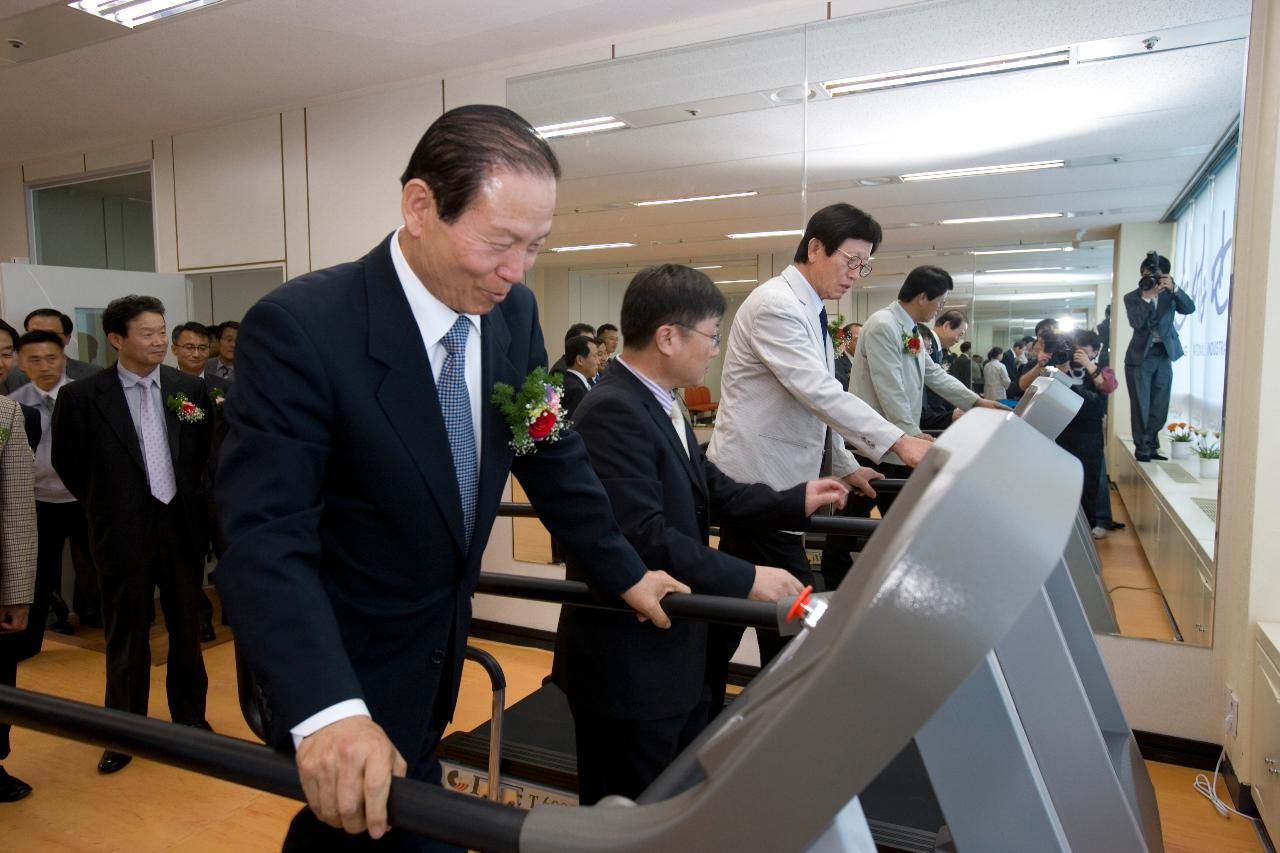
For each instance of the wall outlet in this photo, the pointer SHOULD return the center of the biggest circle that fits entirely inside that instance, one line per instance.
(1231, 722)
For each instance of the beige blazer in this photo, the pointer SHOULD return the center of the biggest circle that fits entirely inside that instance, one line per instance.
(892, 381)
(778, 393)
(17, 509)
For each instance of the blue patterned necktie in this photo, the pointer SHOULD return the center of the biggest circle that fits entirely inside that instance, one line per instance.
(455, 405)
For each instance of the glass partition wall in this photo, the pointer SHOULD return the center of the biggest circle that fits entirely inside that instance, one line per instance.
(1010, 150)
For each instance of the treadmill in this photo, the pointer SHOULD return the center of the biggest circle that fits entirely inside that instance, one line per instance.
(987, 662)
(1031, 752)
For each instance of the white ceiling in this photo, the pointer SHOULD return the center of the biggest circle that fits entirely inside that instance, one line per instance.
(1134, 129)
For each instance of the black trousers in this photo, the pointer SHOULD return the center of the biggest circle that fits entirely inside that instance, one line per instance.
(1086, 446)
(623, 757)
(308, 834)
(58, 523)
(837, 553)
(763, 548)
(9, 678)
(175, 567)
(1150, 387)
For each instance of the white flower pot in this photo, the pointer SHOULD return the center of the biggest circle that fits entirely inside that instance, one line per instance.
(1180, 450)
(1209, 468)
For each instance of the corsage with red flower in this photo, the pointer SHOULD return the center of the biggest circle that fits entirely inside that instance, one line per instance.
(534, 412)
(835, 331)
(187, 411)
(911, 343)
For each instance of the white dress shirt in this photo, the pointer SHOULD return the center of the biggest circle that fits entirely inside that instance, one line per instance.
(49, 486)
(434, 320)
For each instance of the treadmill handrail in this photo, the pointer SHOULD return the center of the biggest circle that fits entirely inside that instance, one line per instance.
(708, 608)
(412, 806)
(817, 523)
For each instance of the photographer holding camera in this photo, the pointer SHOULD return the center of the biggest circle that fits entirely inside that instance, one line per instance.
(1148, 362)
(1074, 356)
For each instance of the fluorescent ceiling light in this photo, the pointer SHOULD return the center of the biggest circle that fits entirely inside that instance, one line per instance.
(1017, 217)
(739, 281)
(950, 71)
(1034, 297)
(1022, 269)
(132, 13)
(593, 246)
(750, 234)
(1022, 251)
(694, 198)
(711, 267)
(1066, 324)
(576, 128)
(984, 170)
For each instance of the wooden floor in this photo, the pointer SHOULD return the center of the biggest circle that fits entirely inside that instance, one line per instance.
(1134, 590)
(151, 807)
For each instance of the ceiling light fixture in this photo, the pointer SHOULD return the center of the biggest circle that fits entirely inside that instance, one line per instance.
(1023, 269)
(950, 71)
(694, 198)
(711, 267)
(984, 170)
(577, 128)
(593, 246)
(1015, 218)
(747, 235)
(739, 281)
(1022, 251)
(132, 13)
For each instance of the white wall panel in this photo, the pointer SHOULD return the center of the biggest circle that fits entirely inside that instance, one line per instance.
(229, 192)
(297, 226)
(356, 151)
(53, 167)
(121, 155)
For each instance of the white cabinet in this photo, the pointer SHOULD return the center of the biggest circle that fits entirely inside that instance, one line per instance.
(1266, 738)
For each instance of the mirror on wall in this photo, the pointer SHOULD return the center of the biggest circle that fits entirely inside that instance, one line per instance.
(1026, 159)
(100, 224)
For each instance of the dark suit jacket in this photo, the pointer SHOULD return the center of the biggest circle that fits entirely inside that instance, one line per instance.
(935, 412)
(574, 392)
(843, 365)
(75, 370)
(962, 369)
(1146, 319)
(664, 500)
(31, 421)
(97, 455)
(346, 575)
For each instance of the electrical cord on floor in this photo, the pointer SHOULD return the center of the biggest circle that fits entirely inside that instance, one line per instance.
(1134, 588)
(1210, 790)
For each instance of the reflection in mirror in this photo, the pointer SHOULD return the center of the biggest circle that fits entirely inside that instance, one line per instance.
(1037, 162)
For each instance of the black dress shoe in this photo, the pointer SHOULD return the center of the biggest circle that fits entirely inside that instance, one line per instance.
(1142, 457)
(113, 762)
(207, 634)
(12, 789)
(1117, 525)
(203, 724)
(62, 626)
(1157, 455)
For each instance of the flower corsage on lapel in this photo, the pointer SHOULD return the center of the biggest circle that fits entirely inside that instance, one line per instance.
(835, 332)
(187, 411)
(534, 412)
(911, 343)
(217, 396)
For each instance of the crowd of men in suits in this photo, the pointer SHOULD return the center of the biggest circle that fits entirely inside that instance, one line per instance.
(120, 472)
(363, 464)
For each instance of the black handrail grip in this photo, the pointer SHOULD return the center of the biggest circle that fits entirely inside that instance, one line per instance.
(709, 608)
(818, 523)
(497, 678)
(413, 806)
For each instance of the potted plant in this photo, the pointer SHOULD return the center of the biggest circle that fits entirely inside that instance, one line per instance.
(1180, 441)
(1209, 449)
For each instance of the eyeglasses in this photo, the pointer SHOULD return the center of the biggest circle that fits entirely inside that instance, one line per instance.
(855, 263)
(190, 348)
(715, 339)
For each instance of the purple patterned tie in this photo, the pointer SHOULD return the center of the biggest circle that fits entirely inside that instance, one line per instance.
(155, 447)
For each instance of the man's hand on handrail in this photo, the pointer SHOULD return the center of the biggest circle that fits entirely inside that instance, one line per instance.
(346, 769)
(646, 595)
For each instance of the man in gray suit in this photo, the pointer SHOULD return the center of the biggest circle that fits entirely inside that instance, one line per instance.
(781, 407)
(1154, 347)
(49, 320)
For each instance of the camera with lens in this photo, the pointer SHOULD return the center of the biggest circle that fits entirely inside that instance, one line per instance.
(1151, 273)
(1060, 348)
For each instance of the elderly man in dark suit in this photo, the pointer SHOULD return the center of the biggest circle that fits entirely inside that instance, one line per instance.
(131, 443)
(1154, 347)
(638, 695)
(364, 467)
